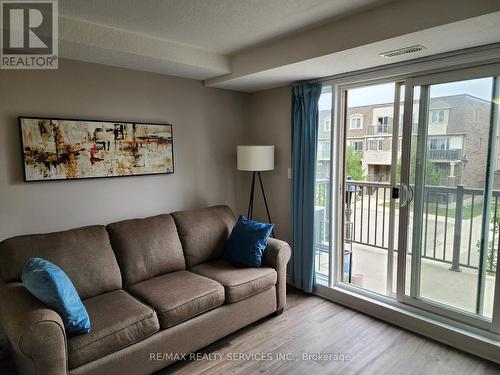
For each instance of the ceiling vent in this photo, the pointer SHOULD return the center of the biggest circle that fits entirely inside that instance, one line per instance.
(402, 51)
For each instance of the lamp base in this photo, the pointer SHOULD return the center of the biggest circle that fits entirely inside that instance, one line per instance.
(250, 203)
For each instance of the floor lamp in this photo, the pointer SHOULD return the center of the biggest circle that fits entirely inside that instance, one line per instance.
(256, 159)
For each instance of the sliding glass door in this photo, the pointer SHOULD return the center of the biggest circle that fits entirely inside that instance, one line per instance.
(452, 217)
(416, 218)
(371, 159)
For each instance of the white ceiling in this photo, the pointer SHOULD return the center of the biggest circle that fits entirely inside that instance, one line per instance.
(251, 45)
(472, 32)
(222, 26)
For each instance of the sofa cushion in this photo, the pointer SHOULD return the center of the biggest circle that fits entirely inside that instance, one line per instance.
(178, 296)
(239, 283)
(146, 248)
(118, 320)
(85, 255)
(204, 232)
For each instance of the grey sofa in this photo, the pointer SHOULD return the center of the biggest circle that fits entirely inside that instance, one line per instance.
(151, 286)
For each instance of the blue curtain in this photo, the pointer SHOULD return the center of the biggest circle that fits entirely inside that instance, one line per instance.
(304, 142)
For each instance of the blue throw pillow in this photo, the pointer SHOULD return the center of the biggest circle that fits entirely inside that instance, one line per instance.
(52, 286)
(247, 243)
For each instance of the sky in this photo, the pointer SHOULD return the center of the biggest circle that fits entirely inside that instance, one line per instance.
(378, 94)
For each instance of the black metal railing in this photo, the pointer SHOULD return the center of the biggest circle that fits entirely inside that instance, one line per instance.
(460, 210)
(451, 216)
(451, 223)
(370, 212)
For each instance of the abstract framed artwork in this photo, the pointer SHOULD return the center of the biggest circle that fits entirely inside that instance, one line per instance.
(67, 149)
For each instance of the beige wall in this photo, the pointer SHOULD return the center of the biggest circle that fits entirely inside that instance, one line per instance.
(270, 123)
(208, 124)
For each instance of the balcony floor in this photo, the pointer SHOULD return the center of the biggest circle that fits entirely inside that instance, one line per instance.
(438, 283)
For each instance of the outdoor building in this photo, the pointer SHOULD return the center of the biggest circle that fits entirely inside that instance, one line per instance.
(456, 146)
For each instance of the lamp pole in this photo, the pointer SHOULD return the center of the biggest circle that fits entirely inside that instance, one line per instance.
(250, 203)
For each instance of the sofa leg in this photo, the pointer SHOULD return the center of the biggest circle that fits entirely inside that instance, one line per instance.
(279, 312)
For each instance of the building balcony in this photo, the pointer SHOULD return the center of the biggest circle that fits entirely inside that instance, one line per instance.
(377, 157)
(376, 177)
(323, 157)
(380, 129)
(450, 154)
(322, 176)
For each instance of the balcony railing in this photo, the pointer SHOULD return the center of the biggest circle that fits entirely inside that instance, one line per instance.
(376, 177)
(380, 129)
(451, 228)
(451, 154)
(323, 175)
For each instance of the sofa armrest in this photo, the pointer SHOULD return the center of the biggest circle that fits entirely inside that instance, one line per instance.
(36, 333)
(277, 255)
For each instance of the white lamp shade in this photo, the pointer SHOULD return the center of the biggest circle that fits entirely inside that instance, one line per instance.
(255, 158)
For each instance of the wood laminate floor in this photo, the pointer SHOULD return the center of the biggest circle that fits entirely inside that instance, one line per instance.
(313, 325)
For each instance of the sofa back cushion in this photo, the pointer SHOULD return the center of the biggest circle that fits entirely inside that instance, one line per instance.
(84, 254)
(204, 232)
(146, 248)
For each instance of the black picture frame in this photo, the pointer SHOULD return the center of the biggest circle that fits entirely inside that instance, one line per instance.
(23, 155)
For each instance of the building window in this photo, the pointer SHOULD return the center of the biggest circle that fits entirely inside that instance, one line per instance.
(322, 170)
(356, 145)
(371, 145)
(382, 125)
(383, 120)
(356, 122)
(439, 144)
(437, 117)
(380, 144)
(327, 125)
(324, 149)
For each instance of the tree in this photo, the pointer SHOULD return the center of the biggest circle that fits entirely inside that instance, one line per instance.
(354, 165)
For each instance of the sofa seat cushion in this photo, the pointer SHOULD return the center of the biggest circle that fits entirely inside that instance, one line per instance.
(239, 283)
(118, 320)
(178, 296)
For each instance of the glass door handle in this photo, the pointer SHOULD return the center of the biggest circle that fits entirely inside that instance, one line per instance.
(412, 192)
(409, 194)
(403, 199)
